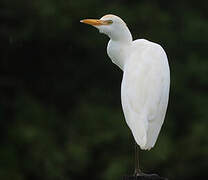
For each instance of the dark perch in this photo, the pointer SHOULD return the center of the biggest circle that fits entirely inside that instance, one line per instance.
(144, 177)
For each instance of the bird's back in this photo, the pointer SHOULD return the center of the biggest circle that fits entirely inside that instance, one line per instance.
(145, 91)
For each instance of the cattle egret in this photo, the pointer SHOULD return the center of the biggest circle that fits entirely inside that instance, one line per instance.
(146, 79)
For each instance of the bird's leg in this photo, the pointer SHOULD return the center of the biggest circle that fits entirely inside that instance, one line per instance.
(137, 170)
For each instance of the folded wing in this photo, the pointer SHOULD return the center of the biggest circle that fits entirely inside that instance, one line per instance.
(144, 93)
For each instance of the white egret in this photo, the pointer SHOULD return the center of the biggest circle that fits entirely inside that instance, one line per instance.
(146, 79)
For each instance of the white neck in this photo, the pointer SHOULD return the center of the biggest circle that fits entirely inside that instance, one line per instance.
(123, 34)
(118, 47)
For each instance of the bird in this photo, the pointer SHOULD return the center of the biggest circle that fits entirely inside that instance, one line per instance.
(145, 83)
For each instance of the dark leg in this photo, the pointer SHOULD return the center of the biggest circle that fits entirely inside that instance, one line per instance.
(137, 170)
(138, 173)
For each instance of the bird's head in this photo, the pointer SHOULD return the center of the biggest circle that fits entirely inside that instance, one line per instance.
(111, 25)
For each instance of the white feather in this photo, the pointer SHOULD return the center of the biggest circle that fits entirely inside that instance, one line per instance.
(146, 79)
(145, 91)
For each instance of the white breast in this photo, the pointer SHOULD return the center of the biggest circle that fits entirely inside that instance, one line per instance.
(118, 52)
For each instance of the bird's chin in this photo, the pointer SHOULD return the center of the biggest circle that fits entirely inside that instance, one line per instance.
(101, 31)
(98, 28)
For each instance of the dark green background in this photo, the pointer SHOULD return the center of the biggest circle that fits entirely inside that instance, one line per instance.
(60, 111)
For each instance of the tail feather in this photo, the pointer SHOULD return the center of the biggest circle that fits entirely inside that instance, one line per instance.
(139, 131)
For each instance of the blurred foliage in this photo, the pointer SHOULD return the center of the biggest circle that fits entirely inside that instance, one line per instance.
(60, 109)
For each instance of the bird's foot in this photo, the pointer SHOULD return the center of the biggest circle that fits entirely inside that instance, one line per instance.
(138, 172)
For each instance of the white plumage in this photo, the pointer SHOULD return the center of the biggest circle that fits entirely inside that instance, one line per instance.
(146, 78)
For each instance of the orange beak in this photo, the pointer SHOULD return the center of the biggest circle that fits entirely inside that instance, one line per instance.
(94, 22)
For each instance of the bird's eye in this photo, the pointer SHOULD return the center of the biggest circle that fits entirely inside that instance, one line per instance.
(109, 22)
